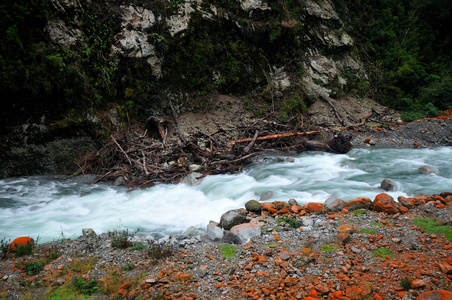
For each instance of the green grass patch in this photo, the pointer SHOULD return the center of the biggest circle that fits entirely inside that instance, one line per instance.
(229, 251)
(64, 292)
(433, 227)
(328, 247)
(383, 253)
(367, 231)
(373, 223)
(360, 212)
(137, 247)
(293, 223)
(85, 287)
(269, 245)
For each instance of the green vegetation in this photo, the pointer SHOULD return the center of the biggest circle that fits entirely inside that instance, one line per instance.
(383, 253)
(121, 240)
(293, 223)
(433, 226)
(157, 252)
(405, 283)
(85, 287)
(228, 251)
(328, 247)
(360, 212)
(4, 247)
(137, 247)
(407, 45)
(30, 268)
(367, 231)
(376, 224)
(22, 250)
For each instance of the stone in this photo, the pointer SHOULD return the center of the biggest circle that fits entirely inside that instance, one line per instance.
(244, 232)
(342, 238)
(290, 159)
(435, 295)
(407, 202)
(359, 203)
(195, 168)
(345, 228)
(314, 208)
(417, 283)
(89, 232)
(63, 35)
(250, 5)
(426, 169)
(232, 218)
(253, 206)
(385, 203)
(194, 232)
(445, 268)
(292, 202)
(266, 196)
(20, 241)
(214, 232)
(333, 205)
(119, 181)
(388, 185)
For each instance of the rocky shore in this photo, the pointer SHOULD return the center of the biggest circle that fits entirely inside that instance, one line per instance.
(362, 249)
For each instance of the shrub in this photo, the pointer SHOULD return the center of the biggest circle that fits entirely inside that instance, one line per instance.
(85, 287)
(228, 251)
(137, 247)
(4, 247)
(30, 268)
(405, 283)
(157, 252)
(121, 240)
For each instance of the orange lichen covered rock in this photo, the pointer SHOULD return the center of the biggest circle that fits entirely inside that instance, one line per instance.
(359, 203)
(20, 241)
(407, 202)
(435, 295)
(385, 203)
(314, 208)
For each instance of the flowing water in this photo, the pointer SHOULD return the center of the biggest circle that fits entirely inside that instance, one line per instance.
(52, 209)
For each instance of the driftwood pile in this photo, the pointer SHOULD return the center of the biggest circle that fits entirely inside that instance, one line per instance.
(143, 161)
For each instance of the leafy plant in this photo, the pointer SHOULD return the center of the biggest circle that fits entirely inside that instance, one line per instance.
(121, 240)
(433, 226)
(22, 250)
(129, 266)
(228, 251)
(383, 253)
(137, 247)
(293, 223)
(30, 268)
(405, 283)
(85, 287)
(4, 244)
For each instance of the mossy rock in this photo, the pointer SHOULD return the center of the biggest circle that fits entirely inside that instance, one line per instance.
(253, 206)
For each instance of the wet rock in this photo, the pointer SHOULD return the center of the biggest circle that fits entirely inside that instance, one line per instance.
(232, 218)
(426, 169)
(120, 181)
(290, 159)
(253, 206)
(214, 232)
(292, 202)
(192, 179)
(385, 203)
(388, 185)
(244, 232)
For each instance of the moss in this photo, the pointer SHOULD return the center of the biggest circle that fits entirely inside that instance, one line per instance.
(383, 253)
(328, 247)
(433, 227)
(360, 212)
(228, 251)
(367, 231)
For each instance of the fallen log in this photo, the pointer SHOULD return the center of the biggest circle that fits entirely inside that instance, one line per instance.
(327, 99)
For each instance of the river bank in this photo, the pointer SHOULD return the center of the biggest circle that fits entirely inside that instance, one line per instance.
(301, 252)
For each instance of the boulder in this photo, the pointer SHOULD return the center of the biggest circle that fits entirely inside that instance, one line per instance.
(214, 232)
(292, 202)
(232, 218)
(333, 204)
(359, 203)
(253, 206)
(435, 295)
(244, 232)
(407, 202)
(426, 169)
(388, 185)
(194, 232)
(20, 241)
(314, 208)
(89, 232)
(385, 203)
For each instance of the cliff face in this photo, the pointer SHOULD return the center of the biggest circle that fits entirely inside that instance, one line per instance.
(160, 49)
(150, 57)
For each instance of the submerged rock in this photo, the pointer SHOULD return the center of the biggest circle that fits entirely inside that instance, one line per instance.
(388, 185)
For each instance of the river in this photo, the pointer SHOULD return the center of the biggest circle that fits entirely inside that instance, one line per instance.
(44, 207)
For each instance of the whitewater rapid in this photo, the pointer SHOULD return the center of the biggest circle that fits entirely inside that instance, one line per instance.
(50, 209)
